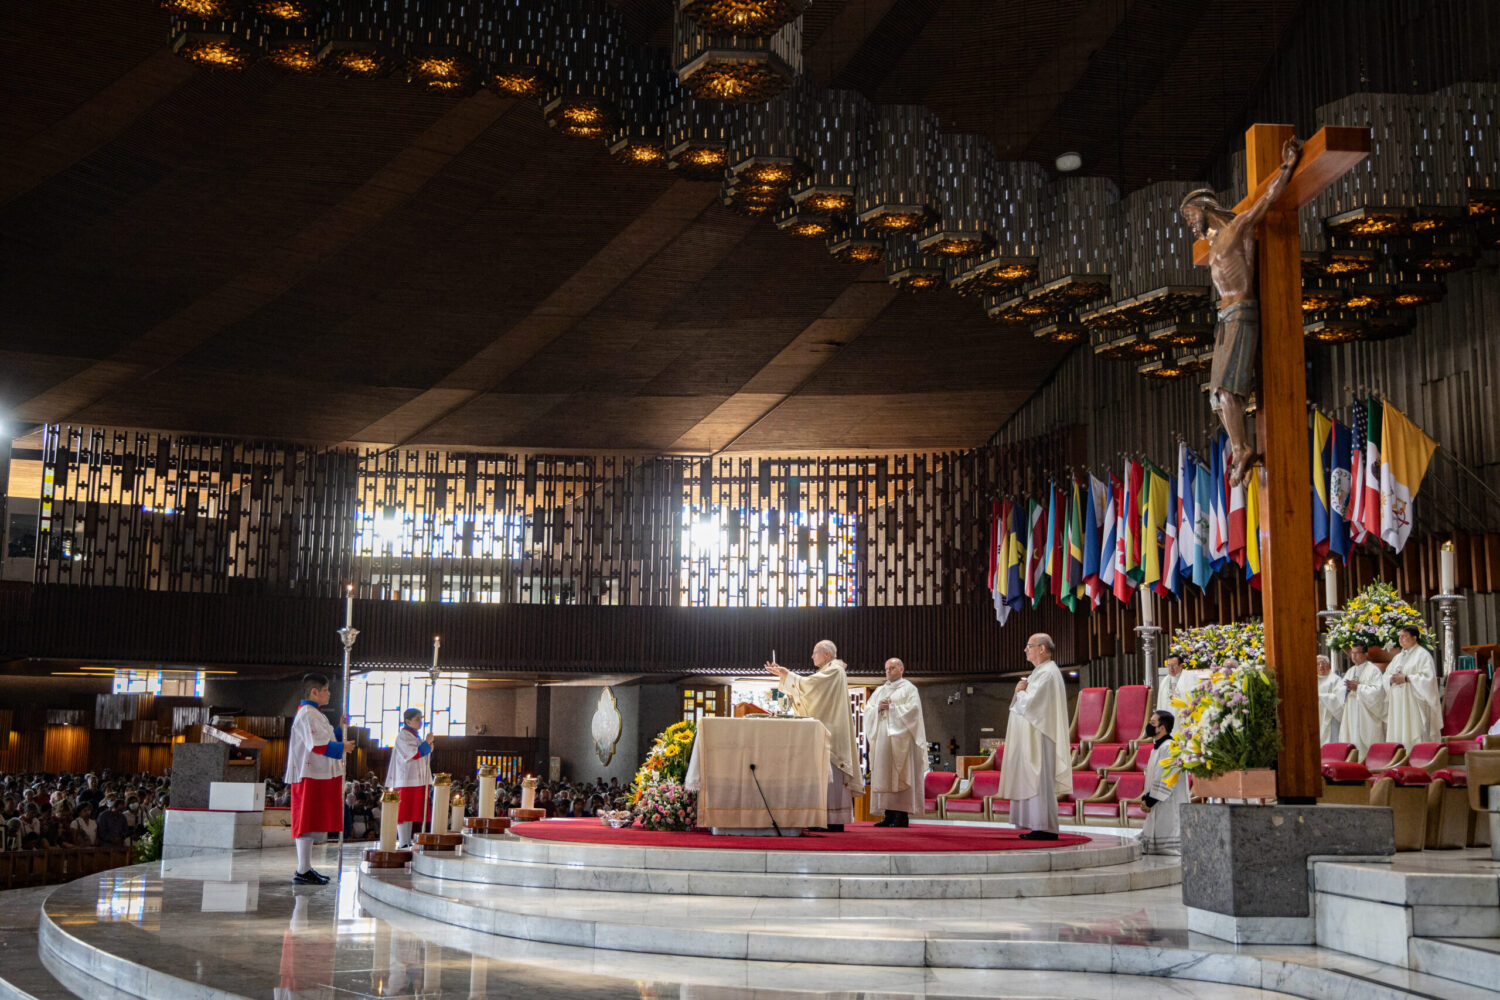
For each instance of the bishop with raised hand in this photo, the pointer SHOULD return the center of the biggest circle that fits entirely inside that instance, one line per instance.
(824, 695)
(898, 747)
(1035, 770)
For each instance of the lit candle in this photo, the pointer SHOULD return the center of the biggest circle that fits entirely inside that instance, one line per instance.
(1448, 569)
(456, 820)
(487, 792)
(1331, 585)
(528, 793)
(437, 641)
(440, 814)
(1146, 611)
(390, 812)
(348, 605)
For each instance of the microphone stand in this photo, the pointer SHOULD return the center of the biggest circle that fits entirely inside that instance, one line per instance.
(774, 825)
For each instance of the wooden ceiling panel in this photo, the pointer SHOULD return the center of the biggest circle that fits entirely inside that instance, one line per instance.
(24, 374)
(934, 421)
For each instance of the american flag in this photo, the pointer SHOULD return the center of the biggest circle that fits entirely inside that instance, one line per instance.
(1357, 469)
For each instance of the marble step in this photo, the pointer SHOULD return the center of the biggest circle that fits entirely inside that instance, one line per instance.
(23, 975)
(1103, 851)
(415, 896)
(1149, 873)
(1465, 960)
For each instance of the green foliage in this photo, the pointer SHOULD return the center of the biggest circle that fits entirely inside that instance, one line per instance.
(148, 846)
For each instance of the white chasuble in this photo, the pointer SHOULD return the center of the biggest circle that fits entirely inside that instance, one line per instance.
(1414, 708)
(1162, 833)
(1179, 687)
(898, 747)
(1037, 731)
(310, 728)
(824, 695)
(1365, 707)
(1330, 706)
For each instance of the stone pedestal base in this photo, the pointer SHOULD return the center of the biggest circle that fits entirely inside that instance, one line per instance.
(189, 832)
(439, 841)
(1245, 867)
(527, 815)
(492, 824)
(376, 858)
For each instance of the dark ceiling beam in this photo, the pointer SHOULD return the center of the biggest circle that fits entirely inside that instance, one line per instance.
(277, 272)
(826, 59)
(653, 231)
(793, 367)
(92, 124)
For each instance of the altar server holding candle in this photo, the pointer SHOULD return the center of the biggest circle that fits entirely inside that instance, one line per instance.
(314, 770)
(410, 773)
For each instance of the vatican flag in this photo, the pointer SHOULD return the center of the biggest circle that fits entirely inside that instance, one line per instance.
(1404, 454)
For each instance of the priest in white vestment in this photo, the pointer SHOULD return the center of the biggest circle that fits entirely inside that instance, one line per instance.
(1415, 705)
(824, 695)
(898, 747)
(1162, 833)
(1035, 769)
(1330, 701)
(1178, 683)
(1365, 706)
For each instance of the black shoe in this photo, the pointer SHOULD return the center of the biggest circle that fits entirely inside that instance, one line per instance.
(308, 877)
(322, 879)
(903, 820)
(815, 829)
(889, 820)
(1039, 835)
(835, 828)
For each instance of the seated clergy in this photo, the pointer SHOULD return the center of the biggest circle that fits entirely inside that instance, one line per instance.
(1330, 701)
(1414, 712)
(1365, 702)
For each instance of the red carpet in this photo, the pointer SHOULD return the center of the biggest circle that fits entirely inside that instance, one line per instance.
(856, 837)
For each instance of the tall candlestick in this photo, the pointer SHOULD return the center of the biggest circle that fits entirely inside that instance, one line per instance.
(1146, 609)
(349, 605)
(437, 642)
(390, 812)
(440, 813)
(487, 792)
(1447, 570)
(528, 793)
(1331, 585)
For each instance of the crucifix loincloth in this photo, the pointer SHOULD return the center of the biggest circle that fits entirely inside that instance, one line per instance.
(1236, 340)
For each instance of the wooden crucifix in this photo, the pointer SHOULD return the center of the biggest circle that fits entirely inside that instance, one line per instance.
(1286, 550)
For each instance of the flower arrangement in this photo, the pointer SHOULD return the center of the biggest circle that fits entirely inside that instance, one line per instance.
(657, 795)
(1373, 616)
(667, 806)
(1228, 723)
(1209, 646)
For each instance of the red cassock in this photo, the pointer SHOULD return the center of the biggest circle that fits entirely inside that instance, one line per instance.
(413, 807)
(316, 807)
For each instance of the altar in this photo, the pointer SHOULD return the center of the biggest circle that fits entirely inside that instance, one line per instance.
(791, 762)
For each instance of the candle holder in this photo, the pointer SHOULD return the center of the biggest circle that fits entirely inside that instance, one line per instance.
(1149, 634)
(1447, 631)
(375, 857)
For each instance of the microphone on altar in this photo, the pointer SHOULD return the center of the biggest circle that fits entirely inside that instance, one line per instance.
(774, 825)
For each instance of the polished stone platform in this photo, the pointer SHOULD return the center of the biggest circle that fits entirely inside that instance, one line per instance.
(172, 930)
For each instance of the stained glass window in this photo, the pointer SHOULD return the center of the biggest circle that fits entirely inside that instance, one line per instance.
(378, 698)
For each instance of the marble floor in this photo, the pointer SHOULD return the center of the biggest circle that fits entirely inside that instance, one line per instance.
(234, 926)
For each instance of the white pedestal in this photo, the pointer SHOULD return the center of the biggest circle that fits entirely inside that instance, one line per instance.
(237, 796)
(193, 831)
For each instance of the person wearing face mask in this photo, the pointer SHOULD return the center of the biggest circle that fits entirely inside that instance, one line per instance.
(1162, 833)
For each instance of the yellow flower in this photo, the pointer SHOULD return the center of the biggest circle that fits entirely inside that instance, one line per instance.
(1171, 780)
(684, 738)
(1178, 703)
(671, 751)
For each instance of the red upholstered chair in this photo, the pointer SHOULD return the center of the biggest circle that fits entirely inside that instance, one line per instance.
(1384, 755)
(1346, 782)
(1451, 821)
(1339, 751)
(1105, 757)
(1133, 705)
(1104, 804)
(1405, 790)
(1129, 787)
(1465, 704)
(1086, 786)
(967, 801)
(1093, 716)
(1428, 756)
(935, 784)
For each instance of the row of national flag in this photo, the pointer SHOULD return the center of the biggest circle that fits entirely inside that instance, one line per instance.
(1088, 539)
(1363, 480)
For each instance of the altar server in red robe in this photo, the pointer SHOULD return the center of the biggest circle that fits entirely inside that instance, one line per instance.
(315, 772)
(410, 773)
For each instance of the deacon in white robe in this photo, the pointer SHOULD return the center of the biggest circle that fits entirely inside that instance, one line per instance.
(1035, 769)
(1365, 705)
(1415, 710)
(1177, 683)
(1162, 833)
(898, 747)
(824, 695)
(1330, 701)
